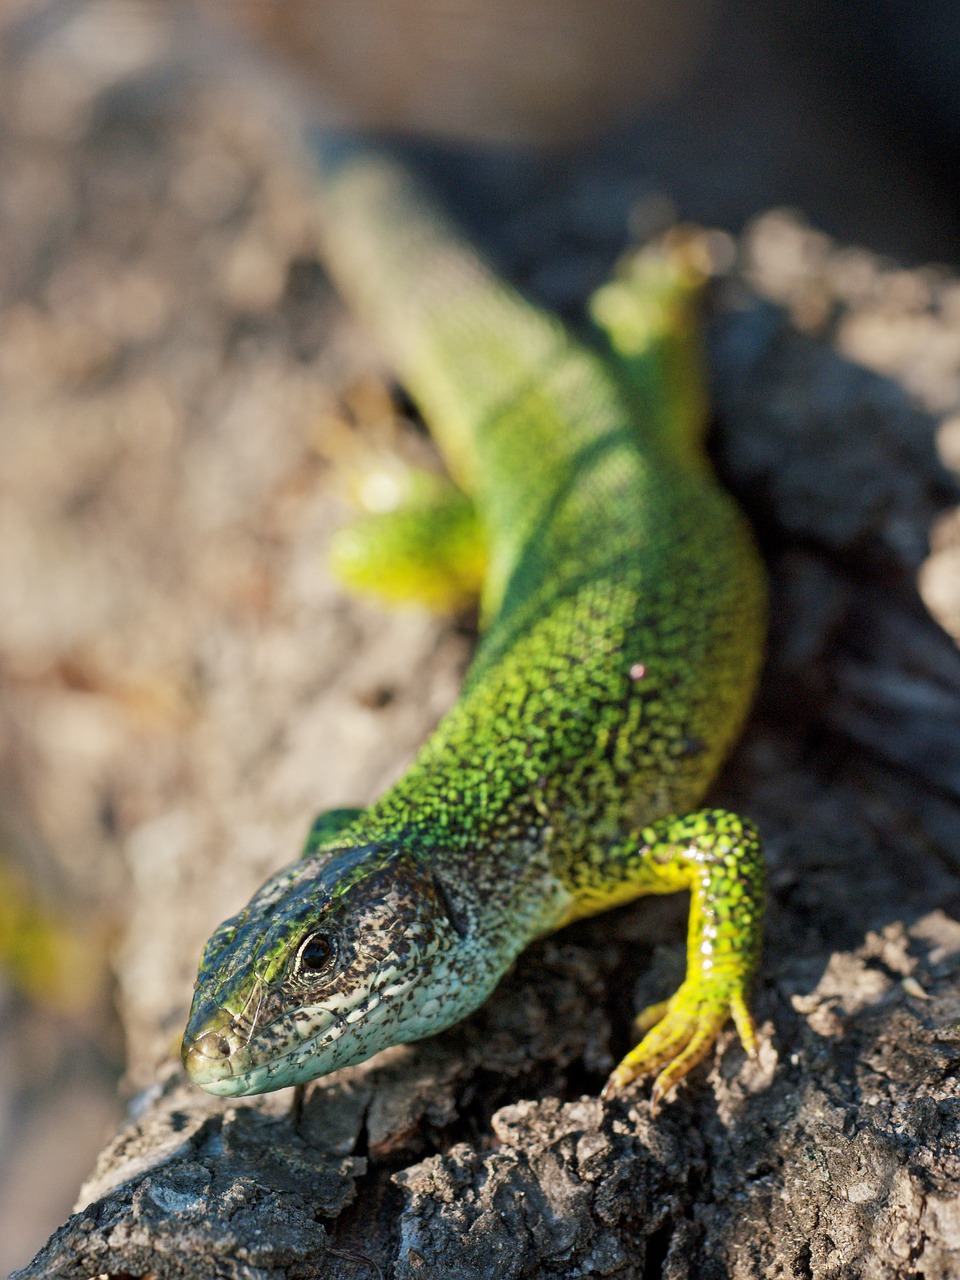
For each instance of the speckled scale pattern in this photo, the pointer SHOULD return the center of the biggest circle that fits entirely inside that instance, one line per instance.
(623, 620)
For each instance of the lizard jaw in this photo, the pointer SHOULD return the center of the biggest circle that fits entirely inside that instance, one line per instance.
(222, 1062)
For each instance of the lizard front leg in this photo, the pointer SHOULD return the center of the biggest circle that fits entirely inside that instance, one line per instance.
(716, 856)
(327, 826)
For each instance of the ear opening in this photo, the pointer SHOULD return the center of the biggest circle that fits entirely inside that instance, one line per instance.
(452, 910)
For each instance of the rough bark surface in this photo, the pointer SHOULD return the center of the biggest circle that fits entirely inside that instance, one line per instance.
(192, 446)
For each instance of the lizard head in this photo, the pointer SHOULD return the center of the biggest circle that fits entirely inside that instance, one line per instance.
(334, 958)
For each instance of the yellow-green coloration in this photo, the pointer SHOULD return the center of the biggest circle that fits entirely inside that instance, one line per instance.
(436, 552)
(622, 616)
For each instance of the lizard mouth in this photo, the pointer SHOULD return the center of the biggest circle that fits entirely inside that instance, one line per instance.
(224, 1061)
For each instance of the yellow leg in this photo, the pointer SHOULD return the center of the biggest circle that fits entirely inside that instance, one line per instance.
(429, 550)
(648, 314)
(716, 855)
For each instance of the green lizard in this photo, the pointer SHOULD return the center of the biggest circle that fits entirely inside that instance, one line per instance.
(622, 620)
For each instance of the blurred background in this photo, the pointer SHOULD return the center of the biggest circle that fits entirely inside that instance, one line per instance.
(178, 388)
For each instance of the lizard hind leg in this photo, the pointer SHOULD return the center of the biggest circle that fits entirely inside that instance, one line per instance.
(427, 550)
(648, 319)
(716, 855)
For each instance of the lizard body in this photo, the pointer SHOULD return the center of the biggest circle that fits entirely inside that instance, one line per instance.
(622, 622)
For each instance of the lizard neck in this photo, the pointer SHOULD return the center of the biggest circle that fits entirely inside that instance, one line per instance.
(492, 864)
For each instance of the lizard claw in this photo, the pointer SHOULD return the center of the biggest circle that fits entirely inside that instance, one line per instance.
(679, 1034)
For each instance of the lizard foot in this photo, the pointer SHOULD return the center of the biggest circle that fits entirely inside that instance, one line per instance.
(679, 1033)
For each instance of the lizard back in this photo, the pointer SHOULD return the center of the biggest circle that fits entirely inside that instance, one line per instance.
(623, 610)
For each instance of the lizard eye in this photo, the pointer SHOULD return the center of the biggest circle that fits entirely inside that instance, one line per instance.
(315, 954)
